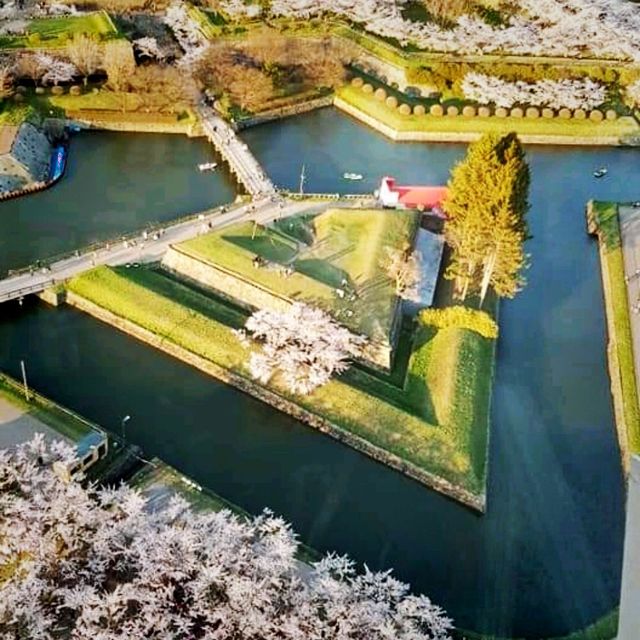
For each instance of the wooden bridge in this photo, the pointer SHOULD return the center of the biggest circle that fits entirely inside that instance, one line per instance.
(236, 153)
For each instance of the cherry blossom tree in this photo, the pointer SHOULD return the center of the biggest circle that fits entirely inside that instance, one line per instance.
(100, 564)
(149, 48)
(187, 32)
(57, 70)
(573, 94)
(303, 347)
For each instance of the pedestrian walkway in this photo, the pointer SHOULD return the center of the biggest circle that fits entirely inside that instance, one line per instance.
(236, 153)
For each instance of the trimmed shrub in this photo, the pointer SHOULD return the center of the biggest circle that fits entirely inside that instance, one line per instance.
(76, 90)
(367, 88)
(459, 317)
(596, 116)
(57, 91)
(452, 110)
(469, 111)
(484, 112)
(419, 110)
(532, 113)
(357, 82)
(548, 113)
(516, 112)
(565, 114)
(21, 89)
(436, 110)
(611, 115)
(579, 114)
(392, 102)
(380, 94)
(40, 91)
(404, 109)
(18, 97)
(501, 112)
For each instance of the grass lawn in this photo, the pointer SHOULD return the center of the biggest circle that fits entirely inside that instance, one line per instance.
(606, 217)
(334, 246)
(12, 113)
(53, 32)
(393, 418)
(459, 124)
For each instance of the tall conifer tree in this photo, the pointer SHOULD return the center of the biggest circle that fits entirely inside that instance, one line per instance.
(486, 226)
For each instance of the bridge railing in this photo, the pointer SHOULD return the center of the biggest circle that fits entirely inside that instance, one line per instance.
(25, 291)
(101, 245)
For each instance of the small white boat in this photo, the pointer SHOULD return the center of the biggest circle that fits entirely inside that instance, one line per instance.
(600, 173)
(352, 176)
(207, 166)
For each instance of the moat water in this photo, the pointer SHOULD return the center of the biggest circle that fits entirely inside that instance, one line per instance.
(546, 557)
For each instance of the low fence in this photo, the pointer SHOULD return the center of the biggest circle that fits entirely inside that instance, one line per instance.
(102, 245)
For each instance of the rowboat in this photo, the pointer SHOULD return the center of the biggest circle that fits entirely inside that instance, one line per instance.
(207, 166)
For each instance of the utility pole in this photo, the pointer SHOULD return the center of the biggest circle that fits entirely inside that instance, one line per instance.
(302, 179)
(122, 428)
(24, 380)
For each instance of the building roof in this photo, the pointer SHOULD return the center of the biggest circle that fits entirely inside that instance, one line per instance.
(427, 197)
(7, 136)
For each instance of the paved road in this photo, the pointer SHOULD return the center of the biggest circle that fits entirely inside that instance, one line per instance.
(242, 162)
(151, 248)
(630, 231)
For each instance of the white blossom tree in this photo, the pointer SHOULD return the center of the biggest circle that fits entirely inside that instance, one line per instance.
(573, 94)
(302, 346)
(57, 70)
(149, 48)
(100, 564)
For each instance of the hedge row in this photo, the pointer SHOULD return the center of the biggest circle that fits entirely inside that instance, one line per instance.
(471, 111)
(458, 317)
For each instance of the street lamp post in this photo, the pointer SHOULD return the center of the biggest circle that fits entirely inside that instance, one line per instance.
(122, 427)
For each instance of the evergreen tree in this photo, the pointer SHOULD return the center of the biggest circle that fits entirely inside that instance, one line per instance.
(486, 225)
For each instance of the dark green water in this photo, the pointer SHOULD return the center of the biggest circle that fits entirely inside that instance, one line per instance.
(546, 557)
(114, 183)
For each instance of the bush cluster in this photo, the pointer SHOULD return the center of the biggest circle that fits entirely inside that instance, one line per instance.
(459, 317)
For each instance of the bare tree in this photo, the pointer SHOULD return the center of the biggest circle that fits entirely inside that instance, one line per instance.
(30, 65)
(120, 67)
(163, 87)
(86, 54)
(6, 80)
(403, 267)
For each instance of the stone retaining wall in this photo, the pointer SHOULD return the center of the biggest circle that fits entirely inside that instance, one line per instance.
(251, 295)
(85, 121)
(476, 502)
(458, 136)
(286, 112)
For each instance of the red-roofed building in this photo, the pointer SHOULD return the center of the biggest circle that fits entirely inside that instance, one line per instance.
(411, 197)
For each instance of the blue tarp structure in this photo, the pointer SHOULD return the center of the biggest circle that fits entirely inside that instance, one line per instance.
(58, 162)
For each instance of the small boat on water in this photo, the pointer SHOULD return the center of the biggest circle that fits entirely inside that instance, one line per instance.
(600, 173)
(207, 166)
(352, 176)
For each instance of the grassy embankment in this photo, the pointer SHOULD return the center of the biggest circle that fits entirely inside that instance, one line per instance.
(324, 251)
(447, 378)
(391, 117)
(605, 217)
(52, 33)
(40, 408)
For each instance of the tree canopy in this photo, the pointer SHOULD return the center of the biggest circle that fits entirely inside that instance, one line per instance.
(486, 226)
(99, 564)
